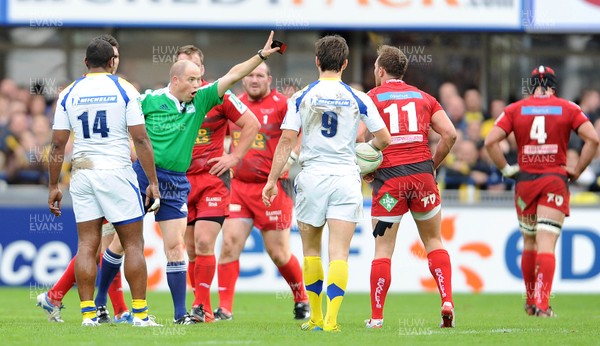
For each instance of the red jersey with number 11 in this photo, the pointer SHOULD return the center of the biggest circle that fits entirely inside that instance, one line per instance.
(542, 127)
(407, 113)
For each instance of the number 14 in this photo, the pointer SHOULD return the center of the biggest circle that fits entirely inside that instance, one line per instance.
(100, 125)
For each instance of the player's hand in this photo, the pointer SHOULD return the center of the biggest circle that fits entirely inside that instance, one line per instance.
(368, 178)
(269, 193)
(573, 175)
(223, 164)
(152, 193)
(267, 50)
(509, 171)
(54, 199)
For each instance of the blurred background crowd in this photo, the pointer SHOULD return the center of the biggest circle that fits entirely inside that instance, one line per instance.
(26, 117)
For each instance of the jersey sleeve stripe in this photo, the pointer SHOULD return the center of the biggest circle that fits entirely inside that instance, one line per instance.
(63, 103)
(301, 97)
(362, 107)
(121, 90)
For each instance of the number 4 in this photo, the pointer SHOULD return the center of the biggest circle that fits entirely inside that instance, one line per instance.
(538, 129)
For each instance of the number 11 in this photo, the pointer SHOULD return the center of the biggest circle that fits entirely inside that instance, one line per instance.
(410, 109)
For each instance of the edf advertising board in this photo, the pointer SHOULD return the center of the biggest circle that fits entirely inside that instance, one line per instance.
(484, 245)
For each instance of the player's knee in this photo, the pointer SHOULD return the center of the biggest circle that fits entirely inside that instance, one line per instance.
(204, 247)
(278, 256)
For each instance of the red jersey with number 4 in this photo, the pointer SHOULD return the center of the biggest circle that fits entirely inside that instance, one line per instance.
(407, 113)
(542, 126)
(256, 164)
(209, 142)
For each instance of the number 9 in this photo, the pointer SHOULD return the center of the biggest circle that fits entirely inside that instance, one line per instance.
(329, 121)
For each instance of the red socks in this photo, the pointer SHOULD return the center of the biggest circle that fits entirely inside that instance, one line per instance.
(528, 259)
(292, 273)
(64, 284)
(204, 272)
(546, 263)
(191, 270)
(115, 292)
(440, 268)
(381, 277)
(228, 274)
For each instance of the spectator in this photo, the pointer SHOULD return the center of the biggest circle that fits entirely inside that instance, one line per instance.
(447, 91)
(496, 108)
(590, 104)
(474, 109)
(459, 166)
(455, 107)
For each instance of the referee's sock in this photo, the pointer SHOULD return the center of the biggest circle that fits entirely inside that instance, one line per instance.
(176, 278)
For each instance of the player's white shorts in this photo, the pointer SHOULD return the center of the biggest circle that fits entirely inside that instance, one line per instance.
(110, 193)
(322, 197)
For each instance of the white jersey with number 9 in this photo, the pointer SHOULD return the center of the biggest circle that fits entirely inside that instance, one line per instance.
(329, 112)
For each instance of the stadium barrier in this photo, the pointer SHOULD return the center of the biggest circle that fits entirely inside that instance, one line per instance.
(483, 241)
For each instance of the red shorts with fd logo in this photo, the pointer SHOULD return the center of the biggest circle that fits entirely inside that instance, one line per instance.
(398, 189)
(549, 190)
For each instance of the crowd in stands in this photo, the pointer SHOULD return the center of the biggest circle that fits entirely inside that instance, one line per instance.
(26, 117)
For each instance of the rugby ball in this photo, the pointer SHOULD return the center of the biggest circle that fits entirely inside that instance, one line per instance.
(368, 157)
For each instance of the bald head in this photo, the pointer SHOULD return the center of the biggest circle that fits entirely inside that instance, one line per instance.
(180, 68)
(186, 78)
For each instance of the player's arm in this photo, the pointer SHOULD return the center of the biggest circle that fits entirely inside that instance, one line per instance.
(382, 139)
(239, 71)
(250, 126)
(145, 154)
(492, 145)
(287, 142)
(590, 146)
(362, 134)
(442, 125)
(375, 124)
(57, 156)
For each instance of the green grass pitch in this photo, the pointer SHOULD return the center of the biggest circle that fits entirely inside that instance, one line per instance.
(266, 319)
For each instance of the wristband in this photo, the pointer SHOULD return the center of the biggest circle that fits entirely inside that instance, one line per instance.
(509, 170)
(293, 158)
(262, 56)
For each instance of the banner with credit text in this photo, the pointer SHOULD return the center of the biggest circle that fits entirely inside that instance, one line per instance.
(273, 14)
(484, 245)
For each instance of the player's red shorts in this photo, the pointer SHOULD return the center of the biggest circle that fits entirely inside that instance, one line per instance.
(209, 196)
(549, 190)
(246, 202)
(396, 190)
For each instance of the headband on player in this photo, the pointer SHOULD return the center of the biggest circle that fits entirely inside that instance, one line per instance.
(544, 76)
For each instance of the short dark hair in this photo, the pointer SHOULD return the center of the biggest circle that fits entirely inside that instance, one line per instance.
(392, 60)
(98, 53)
(190, 50)
(332, 51)
(110, 39)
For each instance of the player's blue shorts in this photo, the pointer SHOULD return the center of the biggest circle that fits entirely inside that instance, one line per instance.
(174, 188)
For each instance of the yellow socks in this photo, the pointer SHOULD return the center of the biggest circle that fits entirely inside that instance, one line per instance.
(337, 280)
(88, 309)
(140, 308)
(313, 279)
